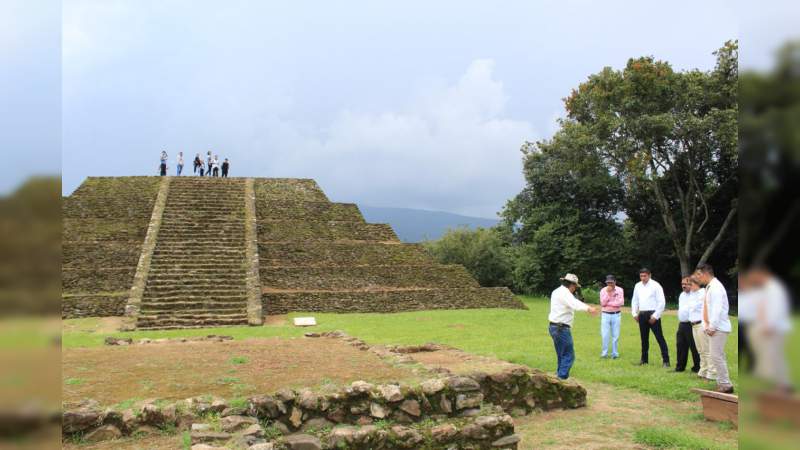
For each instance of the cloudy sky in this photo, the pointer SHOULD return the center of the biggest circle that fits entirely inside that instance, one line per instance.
(405, 104)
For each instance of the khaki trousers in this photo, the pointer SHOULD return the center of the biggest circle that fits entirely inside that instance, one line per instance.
(701, 342)
(771, 362)
(716, 349)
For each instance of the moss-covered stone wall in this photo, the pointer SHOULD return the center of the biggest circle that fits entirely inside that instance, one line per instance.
(104, 223)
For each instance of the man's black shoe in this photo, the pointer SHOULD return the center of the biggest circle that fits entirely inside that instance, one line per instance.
(642, 363)
(678, 370)
(665, 364)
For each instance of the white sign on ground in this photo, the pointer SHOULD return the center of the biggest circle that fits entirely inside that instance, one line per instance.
(304, 321)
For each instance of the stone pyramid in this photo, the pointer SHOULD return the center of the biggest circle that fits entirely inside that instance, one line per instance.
(182, 252)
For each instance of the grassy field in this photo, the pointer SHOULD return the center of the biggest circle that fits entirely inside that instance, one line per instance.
(513, 335)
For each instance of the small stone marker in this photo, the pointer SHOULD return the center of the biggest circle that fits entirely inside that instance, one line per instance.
(305, 321)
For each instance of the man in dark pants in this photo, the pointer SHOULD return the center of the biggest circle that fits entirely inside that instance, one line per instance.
(688, 303)
(647, 305)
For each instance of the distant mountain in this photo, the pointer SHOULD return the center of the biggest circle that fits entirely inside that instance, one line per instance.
(416, 225)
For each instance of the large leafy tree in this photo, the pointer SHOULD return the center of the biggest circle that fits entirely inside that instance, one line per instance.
(564, 220)
(671, 137)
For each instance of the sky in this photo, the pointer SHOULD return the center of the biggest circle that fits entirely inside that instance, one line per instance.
(399, 104)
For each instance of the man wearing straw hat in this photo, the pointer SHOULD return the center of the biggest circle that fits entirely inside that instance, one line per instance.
(563, 305)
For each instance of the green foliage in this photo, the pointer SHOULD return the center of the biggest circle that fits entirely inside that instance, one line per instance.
(671, 438)
(238, 360)
(648, 144)
(186, 440)
(671, 137)
(481, 251)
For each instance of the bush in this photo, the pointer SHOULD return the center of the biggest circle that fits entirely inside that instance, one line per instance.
(481, 251)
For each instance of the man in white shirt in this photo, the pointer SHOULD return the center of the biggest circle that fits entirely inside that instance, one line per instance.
(563, 305)
(772, 324)
(698, 332)
(716, 324)
(647, 305)
(180, 163)
(684, 340)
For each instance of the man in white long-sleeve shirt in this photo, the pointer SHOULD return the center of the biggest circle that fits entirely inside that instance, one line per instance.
(684, 339)
(563, 305)
(716, 324)
(647, 305)
(698, 332)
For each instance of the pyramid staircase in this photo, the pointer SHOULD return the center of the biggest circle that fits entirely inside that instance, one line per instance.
(198, 269)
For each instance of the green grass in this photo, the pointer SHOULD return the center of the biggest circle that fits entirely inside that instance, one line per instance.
(519, 336)
(238, 360)
(671, 438)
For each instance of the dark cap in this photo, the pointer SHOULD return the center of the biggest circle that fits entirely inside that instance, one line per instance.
(610, 279)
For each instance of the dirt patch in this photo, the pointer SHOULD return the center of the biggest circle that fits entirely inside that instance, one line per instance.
(99, 325)
(155, 442)
(611, 419)
(228, 369)
(276, 320)
(459, 362)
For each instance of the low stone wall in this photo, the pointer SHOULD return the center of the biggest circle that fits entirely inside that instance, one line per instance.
(77, 306)
(293, 189)
(300, 210)
(96, 279)
(87, 254)
(367, 277)
(319, 230)
(340, 254)
(464, 409)
(389, 301)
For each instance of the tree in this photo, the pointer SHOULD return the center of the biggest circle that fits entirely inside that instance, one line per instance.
(672, 138)
(480, 251)
(564, 220)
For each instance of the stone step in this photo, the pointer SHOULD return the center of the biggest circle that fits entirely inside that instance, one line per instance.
(193, 280)
(194, 298)
(191, 291)
(174, 274)
(195, 304)
(197, 250)
(189, 310)
(191, 227)
(233, 285)
(171, 323)
(195, 265)
(188, 241)
(197, 318)
(210, 255)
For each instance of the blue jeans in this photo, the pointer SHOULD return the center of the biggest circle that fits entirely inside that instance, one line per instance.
(180, 169)
(562, 339)
(609, 328)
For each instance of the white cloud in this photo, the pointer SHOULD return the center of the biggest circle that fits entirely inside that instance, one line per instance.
(453, 151)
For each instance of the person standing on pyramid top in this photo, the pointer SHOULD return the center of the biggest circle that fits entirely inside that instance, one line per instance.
(209, 161)
(216, 165)
(225, 166)
(163, 165)
(179, 163)
(198, 164)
